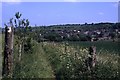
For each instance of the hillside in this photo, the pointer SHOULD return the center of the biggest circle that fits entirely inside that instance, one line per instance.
(74, 32)
(77, 32)
(60, 51)
(61, 60)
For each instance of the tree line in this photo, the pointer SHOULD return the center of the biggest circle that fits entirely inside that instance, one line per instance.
(76, 32)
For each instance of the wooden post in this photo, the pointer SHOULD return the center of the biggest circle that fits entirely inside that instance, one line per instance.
(20, 52)
(91, 61)
(8, 53)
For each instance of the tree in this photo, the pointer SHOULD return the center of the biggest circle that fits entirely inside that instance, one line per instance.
(112, 35)
(22, 26)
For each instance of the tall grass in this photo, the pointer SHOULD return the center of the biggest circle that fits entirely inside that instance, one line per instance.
(33, 65)
(69, 62)
(112, 47)
(66, 60)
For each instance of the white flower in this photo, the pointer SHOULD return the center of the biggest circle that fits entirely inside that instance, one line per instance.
(67, 66)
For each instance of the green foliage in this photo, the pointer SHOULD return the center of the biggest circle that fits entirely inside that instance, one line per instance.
(18, 15)
(67, 60)
(28, 45)
(76, 32)
(52, 36)
(70, 63)
(112, 35)
(34, 65)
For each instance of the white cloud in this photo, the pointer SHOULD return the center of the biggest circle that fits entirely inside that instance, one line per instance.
(101, 13)
(11, 0)
(59, 0)
(91, 0)
(115, 4)
(70, 0)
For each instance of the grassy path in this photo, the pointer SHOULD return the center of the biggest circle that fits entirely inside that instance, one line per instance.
(35, 65)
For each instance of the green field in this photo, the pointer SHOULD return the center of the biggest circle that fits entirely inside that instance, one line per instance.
(66, 60)
(74, 56)
(110, 46)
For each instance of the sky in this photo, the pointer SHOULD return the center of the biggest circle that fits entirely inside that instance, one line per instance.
(59, 0)
(64, 12)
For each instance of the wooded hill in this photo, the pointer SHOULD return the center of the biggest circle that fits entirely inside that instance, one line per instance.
(75, 32)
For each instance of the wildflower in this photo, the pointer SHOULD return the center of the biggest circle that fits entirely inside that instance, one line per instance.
(68, 67)
(117, 72)
(79, 57)
(72, 69)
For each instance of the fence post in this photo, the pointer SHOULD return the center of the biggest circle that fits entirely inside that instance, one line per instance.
(8, 53)
(91, 61)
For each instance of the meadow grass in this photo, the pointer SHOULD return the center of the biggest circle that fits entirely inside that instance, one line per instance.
(33, 65)
(112, 47)
(63, 60)
(69, 61)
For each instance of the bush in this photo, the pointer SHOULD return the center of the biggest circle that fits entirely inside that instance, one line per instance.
(28, 46)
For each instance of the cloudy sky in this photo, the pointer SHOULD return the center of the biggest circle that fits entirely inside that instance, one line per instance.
(61, 12)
